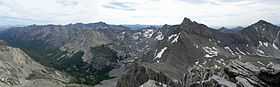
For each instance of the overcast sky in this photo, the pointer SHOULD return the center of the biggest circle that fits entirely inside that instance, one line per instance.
(209, 12)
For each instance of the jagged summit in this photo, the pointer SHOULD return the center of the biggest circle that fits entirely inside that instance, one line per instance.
(187, 21)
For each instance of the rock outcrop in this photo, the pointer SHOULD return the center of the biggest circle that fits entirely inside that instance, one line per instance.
(140, 76)
(235, 74)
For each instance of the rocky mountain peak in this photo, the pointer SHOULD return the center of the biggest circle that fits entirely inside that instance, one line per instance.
(195, 28)
(187, 21)
(263, 23)
(101, 23)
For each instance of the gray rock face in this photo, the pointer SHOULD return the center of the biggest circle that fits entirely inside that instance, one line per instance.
(235, 74)
(17, 69)
(192, 43)
(140, 76)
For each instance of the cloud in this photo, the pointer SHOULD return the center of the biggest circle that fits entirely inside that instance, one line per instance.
(68, 2)
(209, 12)
(7, 21)
(126, 6)
(196, 1)
(220, 2)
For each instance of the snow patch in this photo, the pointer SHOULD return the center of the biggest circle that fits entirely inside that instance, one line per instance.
(247, 52)
(159, 36)
(269, 64)
(204, 63)
(172, 36)
(211, 52)
(219, 61)
(196, 46)
(216, 66)
(240, 51)
(259, 62)
(265, 44)
(227, 48)
(274, 46)
(135, 36)
(260, 51)
(159, 54)
(218, 41)
(260, 43)
(148, 33)
(197, 62)
(210, 40)
(175, 39)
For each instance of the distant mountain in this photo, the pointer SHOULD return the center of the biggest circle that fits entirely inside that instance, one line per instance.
(196, 47)
(230, 30)
(4, 27)
(90, 49)
(189, 54)
(138, 26)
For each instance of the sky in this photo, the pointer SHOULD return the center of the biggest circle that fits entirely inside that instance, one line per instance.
(210, 12)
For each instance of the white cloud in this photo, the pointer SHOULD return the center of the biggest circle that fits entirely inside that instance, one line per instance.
(209, 12)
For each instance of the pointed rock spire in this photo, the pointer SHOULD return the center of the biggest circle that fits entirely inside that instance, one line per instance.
(186, 21)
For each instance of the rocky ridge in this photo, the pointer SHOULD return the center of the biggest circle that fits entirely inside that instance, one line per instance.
(19, 70)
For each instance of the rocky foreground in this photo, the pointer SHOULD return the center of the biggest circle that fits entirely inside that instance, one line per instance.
(17, 69)
(234, 74)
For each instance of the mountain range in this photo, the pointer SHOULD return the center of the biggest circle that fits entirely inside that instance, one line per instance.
(189, 54)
